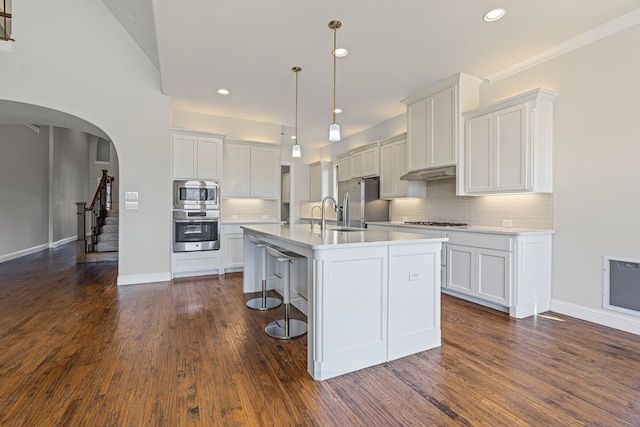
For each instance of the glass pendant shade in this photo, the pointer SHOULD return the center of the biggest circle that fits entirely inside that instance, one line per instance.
(334, 132)
(295, 151)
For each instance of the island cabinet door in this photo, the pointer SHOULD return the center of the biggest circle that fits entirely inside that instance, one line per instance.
(414, 299)
(350, 306)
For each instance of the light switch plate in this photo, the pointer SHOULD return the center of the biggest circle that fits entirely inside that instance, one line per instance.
(131, 205)
(131, 195)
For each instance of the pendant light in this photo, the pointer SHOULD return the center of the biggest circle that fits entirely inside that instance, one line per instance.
(295, 150)
(334, 128)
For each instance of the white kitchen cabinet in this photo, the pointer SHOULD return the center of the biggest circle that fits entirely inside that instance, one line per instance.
(434, 125)
(365, 161)
(320, 179)
(286, 187)
(232, 245)
(393, 164)
(251, 170)
(509, 272)
(197, 263)
(344, 167)
(196, 155)
(508, 145)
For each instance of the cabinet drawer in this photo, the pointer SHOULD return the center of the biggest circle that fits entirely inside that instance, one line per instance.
(232, 229)
(479, 240)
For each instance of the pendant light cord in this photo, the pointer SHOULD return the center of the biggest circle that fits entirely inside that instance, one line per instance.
(335, 32)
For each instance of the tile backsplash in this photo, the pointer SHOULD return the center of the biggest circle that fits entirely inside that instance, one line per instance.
(532, 211)
(249, 209)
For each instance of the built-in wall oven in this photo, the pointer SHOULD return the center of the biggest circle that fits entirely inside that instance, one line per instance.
(193, 194)
(196, 215)
(196, 230)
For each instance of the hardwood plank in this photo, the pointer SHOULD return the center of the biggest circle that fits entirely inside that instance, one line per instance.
(76, 349)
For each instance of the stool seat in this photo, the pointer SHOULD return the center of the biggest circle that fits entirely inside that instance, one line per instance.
(263, 302)
(286, 328)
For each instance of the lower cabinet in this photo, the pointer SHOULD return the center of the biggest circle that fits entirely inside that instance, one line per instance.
(197, 263)
(481, 272)
(232, 243)
(509, 272)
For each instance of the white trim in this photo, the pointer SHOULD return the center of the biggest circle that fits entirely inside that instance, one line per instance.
(63, 242)
(616, 25)
(136, 279)
(596, 315)
(23, 252)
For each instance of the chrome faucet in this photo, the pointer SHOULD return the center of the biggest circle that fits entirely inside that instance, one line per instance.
(323, 223)
(346, 210)
(314, 207)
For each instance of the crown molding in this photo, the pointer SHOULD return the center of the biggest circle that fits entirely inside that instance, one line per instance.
(595, 34)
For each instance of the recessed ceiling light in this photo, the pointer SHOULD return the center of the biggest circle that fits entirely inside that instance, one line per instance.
(223, 91)
(494, 15)
(341, 52)
(337, 111)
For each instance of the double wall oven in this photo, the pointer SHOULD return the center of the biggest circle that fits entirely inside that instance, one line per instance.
(196, 215)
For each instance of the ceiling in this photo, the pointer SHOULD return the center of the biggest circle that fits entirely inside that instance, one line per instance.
(395, 49)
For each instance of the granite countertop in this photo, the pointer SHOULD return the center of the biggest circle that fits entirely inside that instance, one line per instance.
(468, 228)
(302, 234)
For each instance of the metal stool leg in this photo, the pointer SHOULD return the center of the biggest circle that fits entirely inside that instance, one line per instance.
(264, 302)
(286, 328)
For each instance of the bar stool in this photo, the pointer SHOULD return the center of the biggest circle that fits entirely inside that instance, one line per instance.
(286, 328)
(264, 302)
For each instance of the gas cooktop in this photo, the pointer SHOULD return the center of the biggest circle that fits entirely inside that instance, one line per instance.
(437, 223)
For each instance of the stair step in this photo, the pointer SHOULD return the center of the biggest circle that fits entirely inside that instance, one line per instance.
(113, 213)
(109, 228)
(102, 256)
(111, 220)
(108, 237)
(110, 246)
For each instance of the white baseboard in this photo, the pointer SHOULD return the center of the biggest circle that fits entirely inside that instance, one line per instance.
(23, 252)
(600, 316)
(63, 241)
(136, 279)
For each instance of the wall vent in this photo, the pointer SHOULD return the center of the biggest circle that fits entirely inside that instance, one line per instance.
(622, 285)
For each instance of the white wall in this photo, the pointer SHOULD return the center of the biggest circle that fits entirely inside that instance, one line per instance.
(73, 56)
(596, 172)
(70, 180)
(24, 190)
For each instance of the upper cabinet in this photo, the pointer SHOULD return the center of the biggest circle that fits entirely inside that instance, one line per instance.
(320, 180)
(434, 124)
(393, 164)
(362, 162)
(251, 170)
(196, 155)
(508, 145)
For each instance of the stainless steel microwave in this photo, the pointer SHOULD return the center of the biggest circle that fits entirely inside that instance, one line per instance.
(193, 194)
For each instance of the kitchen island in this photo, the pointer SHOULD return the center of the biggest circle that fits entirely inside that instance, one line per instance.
(371, 296)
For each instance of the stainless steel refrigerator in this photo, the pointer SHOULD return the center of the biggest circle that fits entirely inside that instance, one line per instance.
(364, 203)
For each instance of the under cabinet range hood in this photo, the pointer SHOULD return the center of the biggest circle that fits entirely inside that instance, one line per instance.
(435, 174)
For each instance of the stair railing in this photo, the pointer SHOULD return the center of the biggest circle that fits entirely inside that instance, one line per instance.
(100, 203)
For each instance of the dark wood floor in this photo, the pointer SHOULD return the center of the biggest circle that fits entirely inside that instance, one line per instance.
(76, 350)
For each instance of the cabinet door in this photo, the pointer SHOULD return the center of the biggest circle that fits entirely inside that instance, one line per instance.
(441, 128)
(357, 165)
(370, 162)
(387, 173)
(461, 269)
(237, 170)
(265, 172)
(493, 275)
(479, 154)
(510, 149)
(233, 250)
(209, 162)
(184, 152)
(401, 188)
(344, 168)
(416, 135)
(286, 187)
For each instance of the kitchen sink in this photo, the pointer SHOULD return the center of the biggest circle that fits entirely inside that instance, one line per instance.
(343, 228)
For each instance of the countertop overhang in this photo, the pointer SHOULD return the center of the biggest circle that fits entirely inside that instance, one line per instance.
(303, 235)
(468, 228)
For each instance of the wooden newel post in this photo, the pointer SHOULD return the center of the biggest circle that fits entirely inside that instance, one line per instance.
(81, 243)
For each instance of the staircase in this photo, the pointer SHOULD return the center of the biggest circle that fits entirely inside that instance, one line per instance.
(106, 248)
